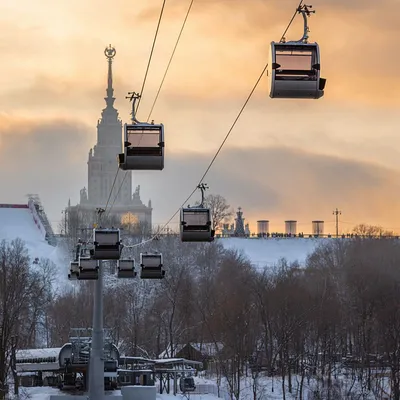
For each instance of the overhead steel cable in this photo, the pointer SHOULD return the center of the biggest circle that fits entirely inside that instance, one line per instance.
(151, 55)
(212, 161)
(291, 20)
(112, 188)
(170, 60)
(119, 189)
(162, 81)
(223, 142)
(141, 95)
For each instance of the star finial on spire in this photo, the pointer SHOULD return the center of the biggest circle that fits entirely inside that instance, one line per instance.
(110, 53)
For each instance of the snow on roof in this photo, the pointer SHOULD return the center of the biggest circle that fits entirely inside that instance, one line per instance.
(168, 360)
(38, 353)
(19, 223)
(139, 359)
(134, 370)
(176, 361)
(267, 252)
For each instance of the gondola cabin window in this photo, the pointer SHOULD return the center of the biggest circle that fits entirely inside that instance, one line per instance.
(296, 63)
(196, 218)
(143, 141)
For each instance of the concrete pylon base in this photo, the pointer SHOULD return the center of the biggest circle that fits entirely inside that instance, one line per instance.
(139, 392)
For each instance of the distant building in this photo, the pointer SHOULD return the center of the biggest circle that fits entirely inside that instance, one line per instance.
(206, 353)
(103, 166)
(238, 229)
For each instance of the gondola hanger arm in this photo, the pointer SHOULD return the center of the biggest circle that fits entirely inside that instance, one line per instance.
(305, 11)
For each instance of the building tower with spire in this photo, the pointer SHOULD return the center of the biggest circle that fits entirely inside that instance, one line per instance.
(103, 165)
(239, 224)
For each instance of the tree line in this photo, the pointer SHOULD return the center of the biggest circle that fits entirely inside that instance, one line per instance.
(337, 316)
(26, 294)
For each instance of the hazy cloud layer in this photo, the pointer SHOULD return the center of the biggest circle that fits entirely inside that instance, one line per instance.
(54, 79)
(47, 158)
(278, 184)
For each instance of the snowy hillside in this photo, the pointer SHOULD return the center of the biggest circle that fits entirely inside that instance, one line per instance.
(19, 223)
(266, 252)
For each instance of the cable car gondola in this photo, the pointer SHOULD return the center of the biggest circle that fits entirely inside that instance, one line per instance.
(74, 271)
(196, 225)
(88, 269)
(144, 147)
(186, 384)
(151, 265)
(294, 67)
(107, 244)
(126, 269)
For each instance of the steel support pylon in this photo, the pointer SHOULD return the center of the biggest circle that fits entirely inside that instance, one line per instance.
(96, 364)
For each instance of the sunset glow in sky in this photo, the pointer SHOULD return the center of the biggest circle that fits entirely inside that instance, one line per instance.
(286, 159)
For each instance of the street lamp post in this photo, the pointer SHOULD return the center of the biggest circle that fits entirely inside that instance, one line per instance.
(337, 213)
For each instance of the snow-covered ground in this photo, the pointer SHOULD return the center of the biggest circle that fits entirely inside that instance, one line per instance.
(266, 252)
(44, 393)
(19, 223)
(264, 388)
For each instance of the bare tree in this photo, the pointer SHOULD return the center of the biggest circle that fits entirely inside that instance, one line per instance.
(337, 313)
(219, 207)
(175, 317)
(135, 298)
(232, 320)
(371, 230)
(22, 293)
(71, 309)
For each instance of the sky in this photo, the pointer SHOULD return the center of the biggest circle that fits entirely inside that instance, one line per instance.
(285, 159)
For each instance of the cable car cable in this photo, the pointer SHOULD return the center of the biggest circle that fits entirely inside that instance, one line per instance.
(159, 89)
(119, 189)
(220, 147)
(233, 125)
(112, 188)
(141, 93)
(243, 107)
(212, 161)
(151, 55)
(170, 60)
(291, 21)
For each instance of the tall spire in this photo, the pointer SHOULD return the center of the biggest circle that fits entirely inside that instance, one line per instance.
(239, 227)
(110, 54)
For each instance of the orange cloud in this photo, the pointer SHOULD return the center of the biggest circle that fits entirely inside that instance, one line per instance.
(55, 71)
(223, 48)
